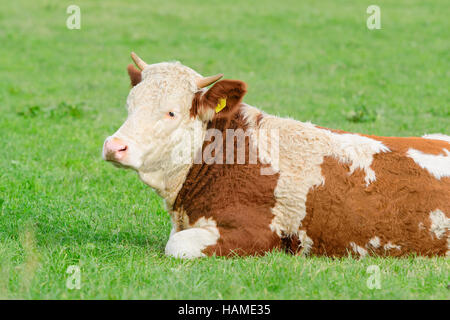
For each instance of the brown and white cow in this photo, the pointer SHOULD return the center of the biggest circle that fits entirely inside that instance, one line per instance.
(329, 193)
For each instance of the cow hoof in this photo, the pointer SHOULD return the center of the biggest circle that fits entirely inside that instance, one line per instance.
(189, 244)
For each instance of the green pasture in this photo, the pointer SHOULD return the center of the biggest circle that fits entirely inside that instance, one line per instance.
(63, 91)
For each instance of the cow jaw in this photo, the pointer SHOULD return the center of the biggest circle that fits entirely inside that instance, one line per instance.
(166, 170)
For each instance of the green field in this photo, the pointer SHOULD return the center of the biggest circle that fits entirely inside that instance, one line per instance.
(63, 91)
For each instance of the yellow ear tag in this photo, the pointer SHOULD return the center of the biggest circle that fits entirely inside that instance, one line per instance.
(222, 104)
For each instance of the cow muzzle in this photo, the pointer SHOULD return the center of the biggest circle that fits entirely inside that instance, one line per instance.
(114, 150)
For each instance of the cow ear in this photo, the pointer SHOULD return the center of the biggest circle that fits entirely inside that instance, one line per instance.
(221, 100)
(135, 75)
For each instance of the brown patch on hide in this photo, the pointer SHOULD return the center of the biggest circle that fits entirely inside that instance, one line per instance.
(291, 244)
(396, 207)
(196, 104)
(231, 90)
(402, 145)
(135, 75)
(236, 196)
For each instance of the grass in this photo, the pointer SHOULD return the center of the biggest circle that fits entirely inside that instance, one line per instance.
(63, 91)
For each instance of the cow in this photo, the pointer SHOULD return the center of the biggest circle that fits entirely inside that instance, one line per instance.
(322, 192)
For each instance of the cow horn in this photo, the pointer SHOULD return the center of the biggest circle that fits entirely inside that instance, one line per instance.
(138, 61)
(206, 81)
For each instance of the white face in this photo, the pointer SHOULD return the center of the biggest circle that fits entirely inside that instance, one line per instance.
(158, 121)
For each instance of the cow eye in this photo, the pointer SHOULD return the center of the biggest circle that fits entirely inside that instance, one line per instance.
(171, 114)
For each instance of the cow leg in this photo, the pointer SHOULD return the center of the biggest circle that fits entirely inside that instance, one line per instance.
(201, 242)
(245, 241)
(190, 243)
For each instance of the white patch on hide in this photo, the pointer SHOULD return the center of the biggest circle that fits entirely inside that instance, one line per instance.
(389, 246)
(358, 151)
(357, 249)
(440, 224)
(437, 136)
(374, 242)
(305, 242)
(301, 151)
(190, 243)
(437, 165)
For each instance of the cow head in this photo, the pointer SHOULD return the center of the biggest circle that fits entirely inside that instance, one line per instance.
(168, 110)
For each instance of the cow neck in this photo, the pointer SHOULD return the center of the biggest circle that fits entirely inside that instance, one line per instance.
(201, 170)
(173, 185)
(175, 177)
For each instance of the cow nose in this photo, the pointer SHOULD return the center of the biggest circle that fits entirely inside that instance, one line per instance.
(114, 149)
